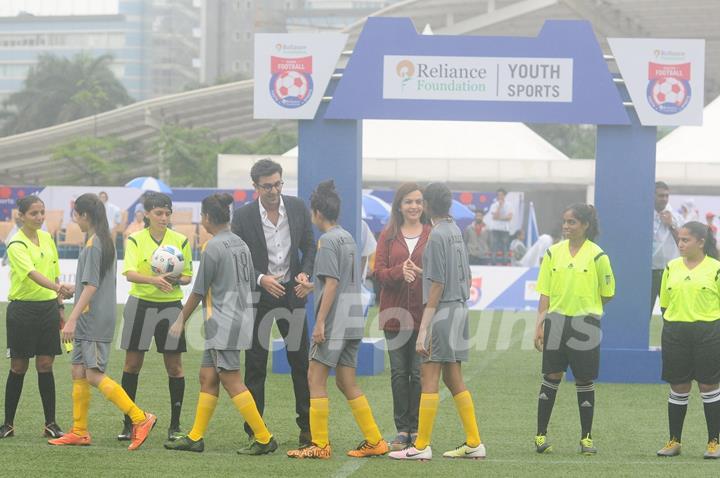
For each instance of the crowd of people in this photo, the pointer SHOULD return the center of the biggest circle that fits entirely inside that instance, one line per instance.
(422, 265)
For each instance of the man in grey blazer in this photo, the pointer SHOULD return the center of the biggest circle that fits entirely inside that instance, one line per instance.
(278, 231)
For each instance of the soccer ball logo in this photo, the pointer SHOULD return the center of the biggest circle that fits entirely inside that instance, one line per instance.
(668, 95)
(291, 89)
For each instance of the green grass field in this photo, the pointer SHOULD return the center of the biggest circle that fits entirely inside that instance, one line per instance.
(504, 375)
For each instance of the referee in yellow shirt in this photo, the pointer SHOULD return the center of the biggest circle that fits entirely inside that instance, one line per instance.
(33, 315)
(574, 282)
(690, 303)
(153, 307)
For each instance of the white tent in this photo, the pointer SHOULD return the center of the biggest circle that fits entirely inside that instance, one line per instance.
(694, 144)
(452, 140)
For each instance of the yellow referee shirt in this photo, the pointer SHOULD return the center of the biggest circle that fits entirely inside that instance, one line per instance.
(691, 295)
(576, 285)
(24, 257)
(139, 249)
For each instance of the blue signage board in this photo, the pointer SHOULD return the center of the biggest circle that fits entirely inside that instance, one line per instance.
(558, 77)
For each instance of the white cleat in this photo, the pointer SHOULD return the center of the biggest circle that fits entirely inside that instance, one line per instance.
(412, 453)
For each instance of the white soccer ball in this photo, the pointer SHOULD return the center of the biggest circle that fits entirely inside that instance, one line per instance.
(669, 90)
(291, 84)
(167, 260)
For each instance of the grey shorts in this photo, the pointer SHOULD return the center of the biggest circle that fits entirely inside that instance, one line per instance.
(336, 352)
(228, 360)
(90, 354)
(448, 337)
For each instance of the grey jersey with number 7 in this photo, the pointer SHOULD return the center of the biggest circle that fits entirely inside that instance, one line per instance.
(445, 261)
(225, 279)
(337, 258)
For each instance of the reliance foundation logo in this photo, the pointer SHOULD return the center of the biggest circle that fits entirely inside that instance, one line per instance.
(291, 83)
(668, 90)
(445, 77)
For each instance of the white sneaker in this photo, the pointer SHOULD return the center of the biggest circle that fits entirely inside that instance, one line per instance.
(464, 451)
(412, 453)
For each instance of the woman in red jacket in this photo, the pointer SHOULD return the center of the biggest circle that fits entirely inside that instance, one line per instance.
(397, 267)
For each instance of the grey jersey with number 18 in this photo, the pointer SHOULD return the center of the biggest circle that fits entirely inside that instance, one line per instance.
(225, 279)
(337, 258)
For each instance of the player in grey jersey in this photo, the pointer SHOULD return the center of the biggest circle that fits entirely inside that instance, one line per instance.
(443, 336)
(224, 284)
(338, 330)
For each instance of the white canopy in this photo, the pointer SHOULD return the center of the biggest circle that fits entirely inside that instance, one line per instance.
(452, 140)
(694, 144)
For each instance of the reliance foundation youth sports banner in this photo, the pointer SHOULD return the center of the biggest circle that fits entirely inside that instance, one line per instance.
(292, 72)
(665, 78)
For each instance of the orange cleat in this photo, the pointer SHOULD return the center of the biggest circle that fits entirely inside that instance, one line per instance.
(365, 449)
(71, 439)
(141, 431)
(312, 451)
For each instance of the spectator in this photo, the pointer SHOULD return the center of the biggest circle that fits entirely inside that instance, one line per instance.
(665, 226)
(689, 212)
(477, 240)
(137, 225)
(112, 212)
(517, 247)
(501, 214)
(710, 218)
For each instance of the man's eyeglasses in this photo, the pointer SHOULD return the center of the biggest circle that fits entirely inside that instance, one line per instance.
(268, 187)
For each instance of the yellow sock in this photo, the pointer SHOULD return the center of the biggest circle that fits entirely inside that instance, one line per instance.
(319, 413)
(466, 410)
(81, 406)
(245, 404)
(115, 393)
(428, 409)
(205, 409)
(364, 418)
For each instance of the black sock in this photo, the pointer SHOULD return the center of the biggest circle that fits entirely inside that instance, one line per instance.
(586, 404)
(129, 384)
(13, 390)
(46, 386)
(711, 402)
(177, 392)
(546, 402)
(677, 408)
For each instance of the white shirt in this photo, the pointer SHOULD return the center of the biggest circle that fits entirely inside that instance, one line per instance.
(368, 243)
(499, 224)
(277, 241)
(664, 246)
(411, 243)
(112, 212)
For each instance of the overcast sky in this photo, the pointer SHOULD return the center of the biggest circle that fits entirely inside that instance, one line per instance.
(10, 8)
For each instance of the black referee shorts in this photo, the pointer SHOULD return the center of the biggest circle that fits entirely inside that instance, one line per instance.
(691, 351)
(573, 341)
(144, 320)
(33, 328)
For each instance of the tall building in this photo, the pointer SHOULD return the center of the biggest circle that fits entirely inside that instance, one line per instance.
(23, 38)
(228, 28)
(175, 45)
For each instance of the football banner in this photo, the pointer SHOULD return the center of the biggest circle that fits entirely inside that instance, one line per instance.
(664, 77)
(292, 72)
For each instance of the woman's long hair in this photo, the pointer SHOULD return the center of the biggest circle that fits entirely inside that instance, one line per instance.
(91, 205)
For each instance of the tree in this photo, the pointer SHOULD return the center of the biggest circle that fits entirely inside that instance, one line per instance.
(97, 161)
(187, 157)
(58, 90)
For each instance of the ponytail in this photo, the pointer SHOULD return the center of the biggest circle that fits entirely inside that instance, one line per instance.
(586, 214)
(701, 232)
(91, 205)
(217, 208)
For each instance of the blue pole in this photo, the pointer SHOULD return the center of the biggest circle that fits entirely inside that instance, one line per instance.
(624, 197)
